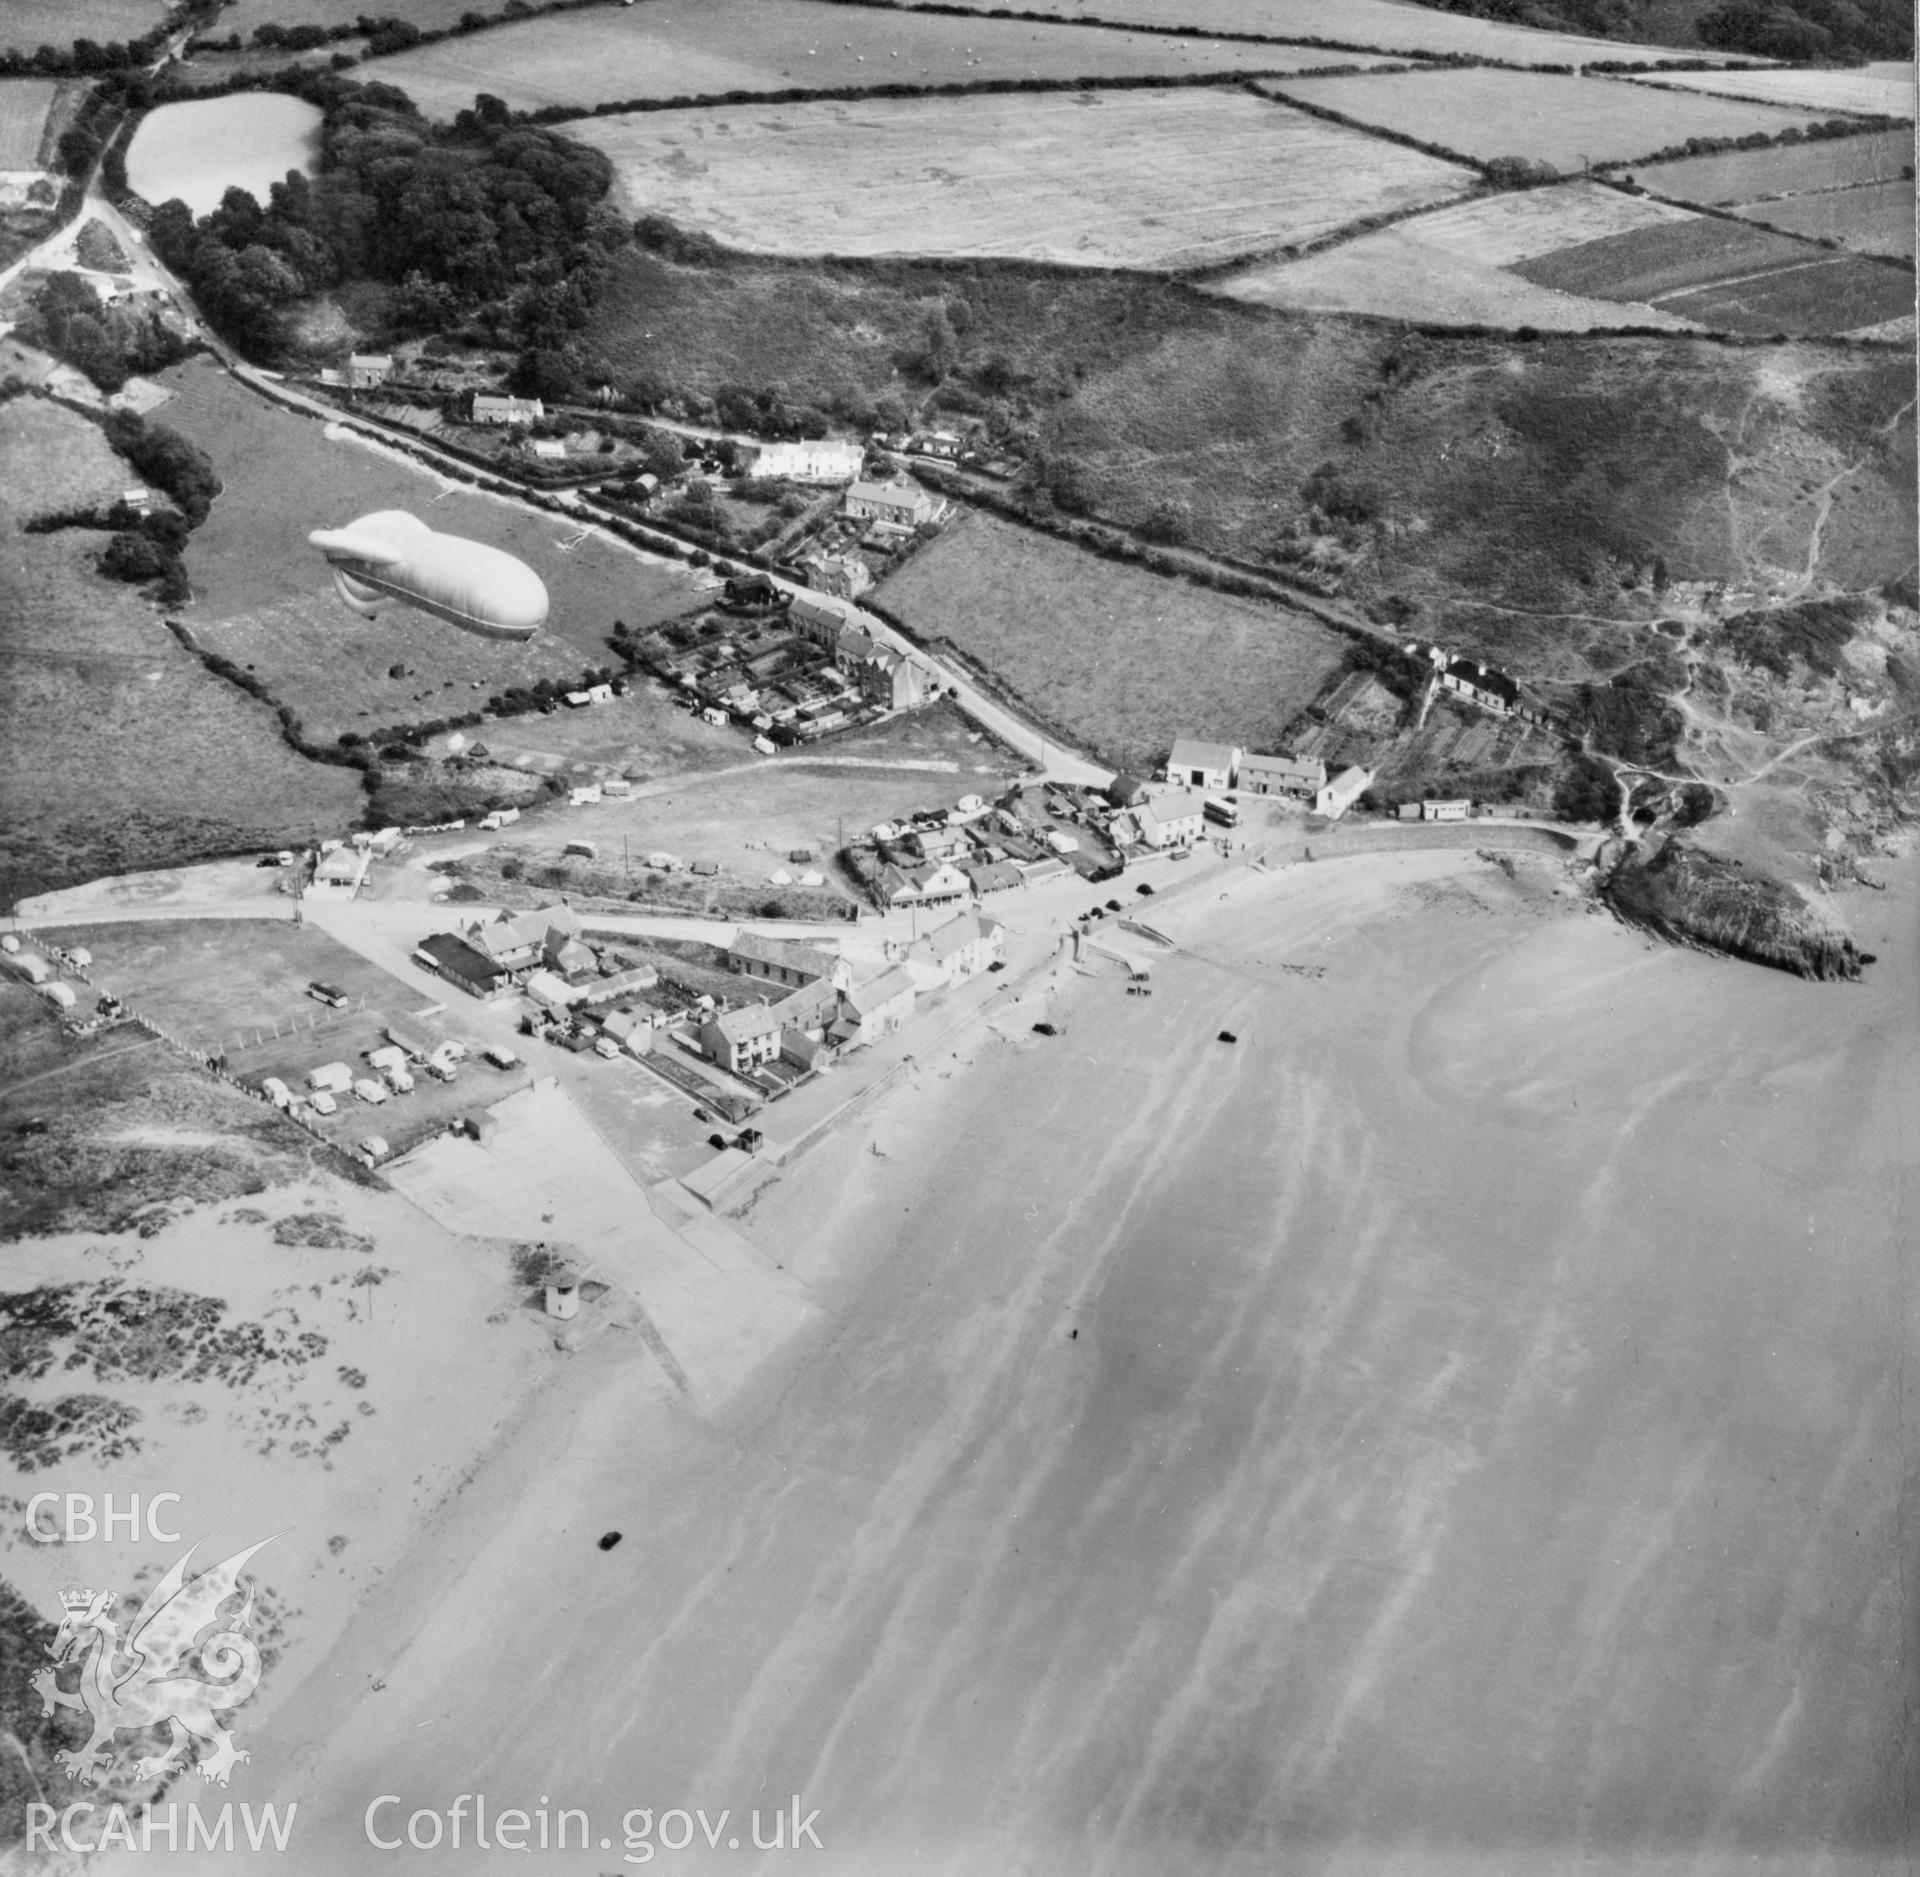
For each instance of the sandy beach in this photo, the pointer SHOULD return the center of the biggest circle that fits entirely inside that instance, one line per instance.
(1454, 1427)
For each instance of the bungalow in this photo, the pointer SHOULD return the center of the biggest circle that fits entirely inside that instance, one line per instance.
(872, 1010)
(741, 1039)
(818, 617)
(452, 958)
(1445, 811)
(962, 948)
(365, 370)
(633, 1033)
(787, 961)
(1337, 796)
(994, 876)
(1202, 765)
(905, 504)
(1300, 777)
(1477, 683)
(552, 993)
(824, 459)
(549, 449)
(938, 885)
(1167, 821)
(1125, 790)
(489, 409)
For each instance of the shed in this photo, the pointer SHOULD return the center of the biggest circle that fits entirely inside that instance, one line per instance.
(563, 1292)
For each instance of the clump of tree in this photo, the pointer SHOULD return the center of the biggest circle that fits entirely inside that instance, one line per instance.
(168, 461)
(109, 344)
(1814, 631)
(487, 221)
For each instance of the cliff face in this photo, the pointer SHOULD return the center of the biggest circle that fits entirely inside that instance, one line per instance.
(1699, 899)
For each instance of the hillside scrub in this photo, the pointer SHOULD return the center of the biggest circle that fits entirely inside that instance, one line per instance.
(1814, 631)
(1696, 898)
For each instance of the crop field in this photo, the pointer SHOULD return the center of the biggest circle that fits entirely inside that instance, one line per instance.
(24, 106)
(1383, 25)
(1158, 179)
(264, 598)
(1451, 266)
(1875, 218)
(117, 750)
(1119, 659)
(1789, 169)
(1721, 274)
(1880, 90)
(702, 48)
(1548, 117)
(29, 24)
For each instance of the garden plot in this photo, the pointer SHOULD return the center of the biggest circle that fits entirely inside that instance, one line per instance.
(1566, 122)
(1880, 90)
(1159, 179)
(1452, 265)
(687, 49)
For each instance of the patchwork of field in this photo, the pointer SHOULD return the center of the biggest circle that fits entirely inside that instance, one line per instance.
(1736, 278)
(1880, 90)
(704, 48)
(263, 597)
(25, 104)
(1876, 218)
(1451, 266)
(1151, 179)
(1549, 117)
(1117, 658)
(1384, 25)
(1857, 191)
(117, 750)
(30, 24)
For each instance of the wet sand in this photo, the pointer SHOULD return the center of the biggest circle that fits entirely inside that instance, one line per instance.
(1457, 1427)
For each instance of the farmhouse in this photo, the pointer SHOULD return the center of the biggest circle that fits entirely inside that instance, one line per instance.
(741, 1039)
(787, 961)
(820, 460)
(905, 504)
(1200, 765)
(962, 948)
(489, 409)
(1337, 796)
(1302, 778)
(874, 1009)
(452, 958)
(365, 370)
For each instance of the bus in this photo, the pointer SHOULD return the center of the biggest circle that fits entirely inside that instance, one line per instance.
(1221, 812)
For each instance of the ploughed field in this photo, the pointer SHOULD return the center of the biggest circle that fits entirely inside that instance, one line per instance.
(703, 48)
(1553, 118)
(1118, 659)
(1166, 179)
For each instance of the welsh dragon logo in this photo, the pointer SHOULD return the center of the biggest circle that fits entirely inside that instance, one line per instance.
(149, 1679)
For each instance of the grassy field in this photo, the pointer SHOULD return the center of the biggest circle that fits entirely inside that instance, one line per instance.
(1791, 169)
(117, 750)
(1380, 24)
(1881, 90)
(1151, 179)
(701, 48)
(1548, 117)
(24, 106)
(429, 15)
(1451, 265)
(1723, 274)
(265, 599)
(1874, 218)
(1122, 660)
(27, 25)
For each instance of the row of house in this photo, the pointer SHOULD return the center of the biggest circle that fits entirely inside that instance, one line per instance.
(892, 679)
(901, 505)
(1194, 764)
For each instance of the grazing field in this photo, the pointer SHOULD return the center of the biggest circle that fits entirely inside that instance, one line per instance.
(264, 598)
(1159, 179)
(1383, 25)
(1119, 659)
(1452, 265)
(1547, 117)
(24, 107)
(243, 16)
(26, 25)
(202, 148)
(117, 750)
(1880, 90)
(1875, 218)
(1724, 274)
(1786, 170)
(702, 48)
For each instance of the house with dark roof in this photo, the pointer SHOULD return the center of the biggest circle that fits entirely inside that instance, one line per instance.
(741, 1039)
(905, 504)
(1480, 684)
(463, 965)
(1298, 777)
(787, 961)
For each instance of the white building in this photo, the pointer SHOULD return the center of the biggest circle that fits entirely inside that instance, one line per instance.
(1337, 796)
(905, 504)
(824, 459)
(1198, 765)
